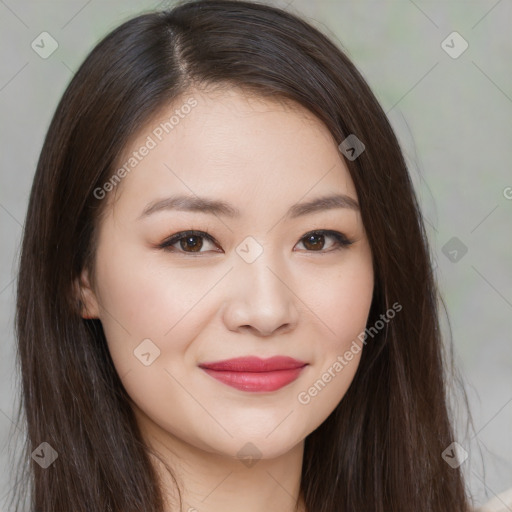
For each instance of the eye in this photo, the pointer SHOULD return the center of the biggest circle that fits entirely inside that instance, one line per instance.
(315, 240)
(190, 241)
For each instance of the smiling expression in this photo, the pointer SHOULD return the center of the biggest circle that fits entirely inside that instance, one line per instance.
(237, 235)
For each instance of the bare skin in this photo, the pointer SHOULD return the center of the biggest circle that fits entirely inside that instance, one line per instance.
(307, 299)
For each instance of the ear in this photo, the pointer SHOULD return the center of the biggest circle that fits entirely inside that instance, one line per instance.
(88, 303)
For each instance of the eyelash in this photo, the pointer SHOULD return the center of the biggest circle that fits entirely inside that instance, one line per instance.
(342, 242)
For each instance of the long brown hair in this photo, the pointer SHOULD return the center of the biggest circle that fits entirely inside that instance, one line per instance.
(381, 448)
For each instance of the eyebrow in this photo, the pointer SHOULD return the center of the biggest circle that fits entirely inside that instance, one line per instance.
(217, 207)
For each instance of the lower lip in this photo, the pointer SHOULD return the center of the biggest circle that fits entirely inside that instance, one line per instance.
(256, 381)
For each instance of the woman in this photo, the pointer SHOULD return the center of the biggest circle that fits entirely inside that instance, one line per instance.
(225, 297)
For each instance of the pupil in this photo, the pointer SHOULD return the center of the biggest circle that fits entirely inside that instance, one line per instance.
(310, 240)
(188, 243)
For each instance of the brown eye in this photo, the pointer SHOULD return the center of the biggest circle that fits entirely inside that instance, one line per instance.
(190, 242)
(315, 241)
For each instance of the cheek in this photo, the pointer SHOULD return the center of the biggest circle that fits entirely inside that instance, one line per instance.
(342, 300)
(342, 303)
(142, 300)
(346, 306)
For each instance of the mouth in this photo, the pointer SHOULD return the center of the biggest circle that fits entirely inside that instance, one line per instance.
(254, 374)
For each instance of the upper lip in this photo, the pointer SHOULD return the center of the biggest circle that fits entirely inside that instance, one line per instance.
(254, 364)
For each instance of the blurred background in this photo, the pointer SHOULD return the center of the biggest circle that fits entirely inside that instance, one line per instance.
(441, 71)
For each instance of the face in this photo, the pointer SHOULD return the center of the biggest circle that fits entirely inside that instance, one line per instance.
(252, 273)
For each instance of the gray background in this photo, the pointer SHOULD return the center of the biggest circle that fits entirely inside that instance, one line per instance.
(453, 117)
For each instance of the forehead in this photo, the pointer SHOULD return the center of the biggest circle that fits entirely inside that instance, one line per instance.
(233, 145)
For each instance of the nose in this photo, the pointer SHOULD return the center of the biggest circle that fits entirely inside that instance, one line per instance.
(260, 298)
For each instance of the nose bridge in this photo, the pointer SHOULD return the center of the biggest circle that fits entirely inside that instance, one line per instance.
(262, 297)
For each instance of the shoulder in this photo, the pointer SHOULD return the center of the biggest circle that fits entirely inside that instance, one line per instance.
(501, 503)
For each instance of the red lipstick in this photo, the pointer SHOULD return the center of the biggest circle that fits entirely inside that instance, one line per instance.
(255, 374)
